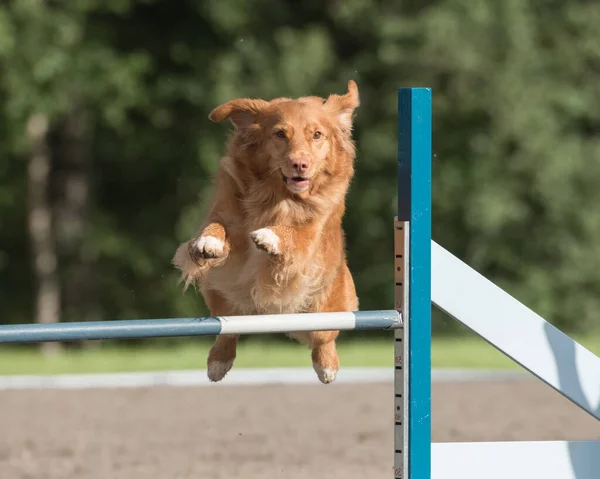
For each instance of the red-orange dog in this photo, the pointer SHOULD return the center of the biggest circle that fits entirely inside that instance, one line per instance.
(273, 240)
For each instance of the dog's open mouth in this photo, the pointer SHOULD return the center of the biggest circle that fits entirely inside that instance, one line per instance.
(296, 184)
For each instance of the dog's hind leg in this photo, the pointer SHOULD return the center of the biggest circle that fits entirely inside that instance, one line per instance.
(325, 358)
(326, 362)
(223, 352)
(342, 297)
(221, 356)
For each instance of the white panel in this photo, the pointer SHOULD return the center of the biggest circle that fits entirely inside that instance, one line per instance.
(516, 460)
(283, 323)
(515, 330)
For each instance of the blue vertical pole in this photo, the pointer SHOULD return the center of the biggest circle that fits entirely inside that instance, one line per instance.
(414, 206)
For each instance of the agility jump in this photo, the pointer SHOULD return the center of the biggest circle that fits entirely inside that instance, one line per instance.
(425, 273)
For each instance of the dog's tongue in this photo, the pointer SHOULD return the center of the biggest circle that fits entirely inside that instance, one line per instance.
(296, 182)
(294, 179)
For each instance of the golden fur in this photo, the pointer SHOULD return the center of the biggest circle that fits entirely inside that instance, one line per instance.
(272, 241)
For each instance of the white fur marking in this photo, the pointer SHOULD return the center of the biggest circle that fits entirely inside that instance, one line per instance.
(218, 369)
(326, 375)
(267, 239)
(210, 245)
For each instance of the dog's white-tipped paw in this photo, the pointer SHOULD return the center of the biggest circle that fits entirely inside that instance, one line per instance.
(209, 247)
(218, 369)
(267, 240)
(326, 375)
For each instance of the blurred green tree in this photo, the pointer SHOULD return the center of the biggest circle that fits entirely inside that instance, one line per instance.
(126, 88)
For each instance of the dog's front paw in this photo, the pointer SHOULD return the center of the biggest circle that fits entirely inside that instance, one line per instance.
(267, 240)
(206, 247)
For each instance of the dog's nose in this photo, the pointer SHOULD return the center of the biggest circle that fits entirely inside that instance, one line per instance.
(299, 164)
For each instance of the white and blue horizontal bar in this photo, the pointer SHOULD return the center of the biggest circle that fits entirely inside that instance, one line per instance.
(210, 326)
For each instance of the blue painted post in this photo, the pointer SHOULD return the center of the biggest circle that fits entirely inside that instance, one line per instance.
(413, 351)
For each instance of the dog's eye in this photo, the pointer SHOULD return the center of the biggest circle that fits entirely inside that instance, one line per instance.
(317, 135)
(280, 134)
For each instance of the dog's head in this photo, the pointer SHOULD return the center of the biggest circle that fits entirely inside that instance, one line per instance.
(296, 145)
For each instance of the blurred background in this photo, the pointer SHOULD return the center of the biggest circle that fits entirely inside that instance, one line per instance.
(107, 154)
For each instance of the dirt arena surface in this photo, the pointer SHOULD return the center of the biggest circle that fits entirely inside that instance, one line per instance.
(291, 432)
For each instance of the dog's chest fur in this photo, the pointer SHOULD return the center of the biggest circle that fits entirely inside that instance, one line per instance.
(254, 282)
(255, 285)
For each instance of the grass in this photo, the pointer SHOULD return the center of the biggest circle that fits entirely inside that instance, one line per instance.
(464, 352)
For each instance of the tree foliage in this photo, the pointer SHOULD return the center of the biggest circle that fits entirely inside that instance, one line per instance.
(516, 136)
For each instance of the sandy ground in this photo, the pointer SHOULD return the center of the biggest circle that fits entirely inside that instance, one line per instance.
(291, 432)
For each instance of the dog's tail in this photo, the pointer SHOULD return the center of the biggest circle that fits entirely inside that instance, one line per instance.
(191, 272)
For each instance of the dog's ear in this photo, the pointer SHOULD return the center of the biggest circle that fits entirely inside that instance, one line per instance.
(344, 105)
(241, 112)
